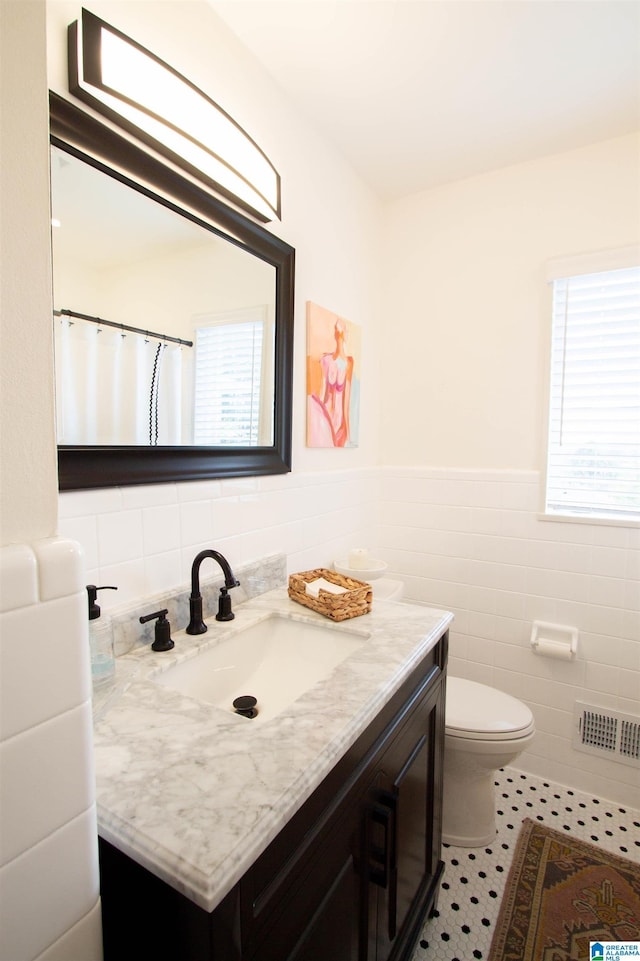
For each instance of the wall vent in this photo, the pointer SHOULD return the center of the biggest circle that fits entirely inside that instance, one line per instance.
(606, 733)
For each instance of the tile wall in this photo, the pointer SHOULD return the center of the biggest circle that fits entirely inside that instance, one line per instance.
(473, 542)
(144, 539)
(49, 890)
(467, 541)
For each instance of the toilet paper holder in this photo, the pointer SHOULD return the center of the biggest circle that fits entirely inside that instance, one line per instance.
(554, 640)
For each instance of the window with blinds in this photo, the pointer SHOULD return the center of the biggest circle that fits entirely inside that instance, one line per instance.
(228, 381)
(593, 468)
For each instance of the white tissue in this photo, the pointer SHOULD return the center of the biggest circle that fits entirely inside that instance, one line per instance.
(549, 648)
(554, 640)
(321, 584)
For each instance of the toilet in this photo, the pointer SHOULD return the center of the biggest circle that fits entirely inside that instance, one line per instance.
(485, 729)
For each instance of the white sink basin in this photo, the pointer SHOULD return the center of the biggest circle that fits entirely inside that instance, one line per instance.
(275, 660)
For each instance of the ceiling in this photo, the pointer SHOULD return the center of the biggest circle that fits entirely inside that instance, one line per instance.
(416, 93)
(123, 224)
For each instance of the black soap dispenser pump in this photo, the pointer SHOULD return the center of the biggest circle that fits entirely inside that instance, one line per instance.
(103, 665)
(92, 592)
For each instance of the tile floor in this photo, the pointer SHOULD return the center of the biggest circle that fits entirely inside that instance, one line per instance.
(474, 878)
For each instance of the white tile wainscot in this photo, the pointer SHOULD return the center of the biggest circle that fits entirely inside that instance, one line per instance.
(473, 541)
(47, 809)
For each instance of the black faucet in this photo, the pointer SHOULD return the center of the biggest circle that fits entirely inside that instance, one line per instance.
(196, 623)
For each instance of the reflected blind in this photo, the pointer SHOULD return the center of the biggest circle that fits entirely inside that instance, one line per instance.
(228, 367)
(593, 465)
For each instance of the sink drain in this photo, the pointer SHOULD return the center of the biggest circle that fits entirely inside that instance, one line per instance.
(246, 705)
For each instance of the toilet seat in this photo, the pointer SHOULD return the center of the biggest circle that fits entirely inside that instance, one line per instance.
(481, 713)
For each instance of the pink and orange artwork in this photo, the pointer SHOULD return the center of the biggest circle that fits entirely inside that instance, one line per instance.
(333, 379)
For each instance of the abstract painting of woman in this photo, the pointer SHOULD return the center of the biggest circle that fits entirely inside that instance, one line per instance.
(332, 381)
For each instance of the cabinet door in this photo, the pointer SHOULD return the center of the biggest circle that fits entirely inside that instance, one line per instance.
(404, 830)
(322, 913)
(334, 931)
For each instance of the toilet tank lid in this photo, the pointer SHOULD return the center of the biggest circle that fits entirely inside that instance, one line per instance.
(477, 708)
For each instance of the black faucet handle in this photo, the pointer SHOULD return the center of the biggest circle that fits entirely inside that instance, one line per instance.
(163, 641)
(224, 606)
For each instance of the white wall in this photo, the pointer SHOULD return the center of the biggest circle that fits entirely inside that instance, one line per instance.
(472, 542)
(329, 216)
(28, 478)
(144, 539)
(49, 898)
(466, 305)
(460, 504)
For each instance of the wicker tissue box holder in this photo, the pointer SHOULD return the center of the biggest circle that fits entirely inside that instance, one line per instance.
(355, 600)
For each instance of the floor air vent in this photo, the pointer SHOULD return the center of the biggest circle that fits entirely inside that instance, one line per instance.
(606, 733)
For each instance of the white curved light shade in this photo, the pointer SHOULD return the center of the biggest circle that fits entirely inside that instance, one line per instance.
(138, 91)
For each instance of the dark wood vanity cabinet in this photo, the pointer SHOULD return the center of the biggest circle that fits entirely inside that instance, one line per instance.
(352, 875)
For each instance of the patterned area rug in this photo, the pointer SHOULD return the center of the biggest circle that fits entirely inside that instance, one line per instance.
(562, 893)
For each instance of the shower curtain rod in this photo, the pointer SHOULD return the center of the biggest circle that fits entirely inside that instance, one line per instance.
(132, 330)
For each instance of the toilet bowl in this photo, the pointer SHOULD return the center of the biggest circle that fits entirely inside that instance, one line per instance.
(485, 729)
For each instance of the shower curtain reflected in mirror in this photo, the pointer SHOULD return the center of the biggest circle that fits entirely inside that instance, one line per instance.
(118, 388)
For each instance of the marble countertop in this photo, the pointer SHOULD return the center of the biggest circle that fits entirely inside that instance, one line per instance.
(195, 793)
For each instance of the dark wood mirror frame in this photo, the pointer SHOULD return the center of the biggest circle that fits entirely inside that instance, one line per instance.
(81, 468)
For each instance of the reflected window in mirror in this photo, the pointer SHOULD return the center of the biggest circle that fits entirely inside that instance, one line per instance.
(233, 378)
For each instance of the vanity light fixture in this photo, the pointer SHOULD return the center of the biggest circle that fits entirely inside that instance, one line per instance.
(148, 98)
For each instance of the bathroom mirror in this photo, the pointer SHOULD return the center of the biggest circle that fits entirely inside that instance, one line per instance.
(173, 316)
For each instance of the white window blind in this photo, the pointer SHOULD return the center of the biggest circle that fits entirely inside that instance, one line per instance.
(228, 375)
(593, 467)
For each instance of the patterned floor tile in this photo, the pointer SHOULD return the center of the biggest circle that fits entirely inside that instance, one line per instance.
(474, 878)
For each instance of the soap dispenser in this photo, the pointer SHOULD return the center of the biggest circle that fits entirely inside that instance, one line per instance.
(103, 665)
